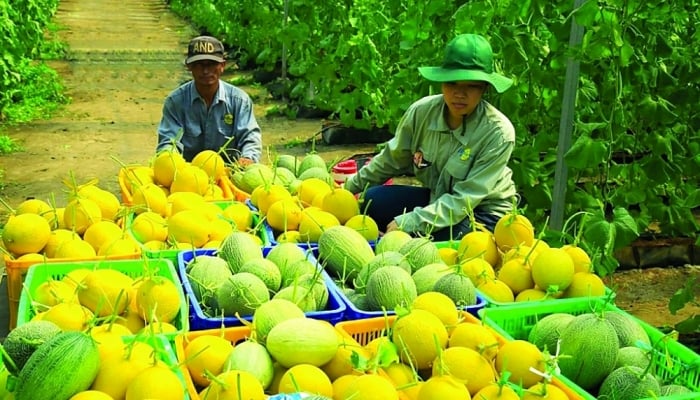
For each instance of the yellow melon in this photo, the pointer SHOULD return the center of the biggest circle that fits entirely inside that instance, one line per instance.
(341, 203)
(284, 215)
(80, 213)
(26, 233)
(313, 222)
(211, 162)
(190, 178)
(190, 227)
(164, 166)
(150, 197)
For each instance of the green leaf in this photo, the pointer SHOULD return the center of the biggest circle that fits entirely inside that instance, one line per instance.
(587, 152)
(682, 296)
(387, 354)
(625, 227)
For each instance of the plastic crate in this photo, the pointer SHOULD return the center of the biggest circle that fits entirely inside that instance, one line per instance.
(229, 190)
(334, 312)
(364, 331)
(40, 273)
(671, 361)
(490, 302)
(232, 334)
(171, 254)
(17, 270)
(354, 313)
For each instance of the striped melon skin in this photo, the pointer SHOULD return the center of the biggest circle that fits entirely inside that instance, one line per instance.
(344, 250)
(61, 367)
(591, 342)
(239, 248)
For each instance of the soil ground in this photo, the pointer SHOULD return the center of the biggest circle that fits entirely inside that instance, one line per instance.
(125, 56)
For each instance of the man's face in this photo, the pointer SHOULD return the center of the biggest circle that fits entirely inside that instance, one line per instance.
(206, 72)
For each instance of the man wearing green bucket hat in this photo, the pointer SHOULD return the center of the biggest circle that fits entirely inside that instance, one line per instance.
(456, 144)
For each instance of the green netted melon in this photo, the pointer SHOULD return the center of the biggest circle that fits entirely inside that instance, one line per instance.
(269, 314)
(457, 287)
(420, 252)
(392, 241)
(283, 177)
(265, 270)
(629, 331)
(590, 343)
(546, 331)
(389, 258)
(294, 271)
(632, 356)
(205, 274)
(390, 287)
(285, 253)
(311, 161)
(238, 248)
(303, 296)
(22, 341)
(316, 172)
(287, 161)
(344, 251)
(426, 277)
(629, 383)
(256, 175)
(241, 294)
(671, 389)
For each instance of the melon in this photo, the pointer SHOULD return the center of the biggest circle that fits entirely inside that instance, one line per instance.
(426, 277)
(390, 287)
(251, 357)
(303, 296)
(206, 274)
(309, 161)
(292, 272)
(288, 162)
(392, 241)
(419, 337)
(629, 331)
(241, 294)
(286, 253)
(591, 344)
(302, 341)
(239, 248)
(629, 383)
(632, 356)
(546, 331)
(671, 389)
(266, 270)
(344, 251)
(22, 341)
(420, 252)
(389, 258)
(269, 314)
(457, 287)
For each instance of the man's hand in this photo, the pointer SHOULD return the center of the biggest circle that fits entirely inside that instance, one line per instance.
(244, 162)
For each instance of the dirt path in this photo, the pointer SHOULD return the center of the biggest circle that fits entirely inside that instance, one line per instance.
(125, 56)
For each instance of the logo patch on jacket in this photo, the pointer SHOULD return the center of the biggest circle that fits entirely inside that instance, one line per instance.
(228, 119)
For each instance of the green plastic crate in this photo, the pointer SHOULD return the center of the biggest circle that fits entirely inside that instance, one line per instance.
(171, 254)
(490, 302)
(671, 361)
(40, 273)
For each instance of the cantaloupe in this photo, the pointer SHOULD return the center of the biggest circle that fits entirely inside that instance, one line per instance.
(390, 287)
(420, 252)
(591, 344)
(344, 251)
(546, 331)
(458, 287)
(629, 383)
(239, 248)
(241, 294)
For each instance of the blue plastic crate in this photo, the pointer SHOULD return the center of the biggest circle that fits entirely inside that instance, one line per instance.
(334, 312)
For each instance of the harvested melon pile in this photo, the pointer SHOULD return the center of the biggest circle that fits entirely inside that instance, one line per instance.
(147, 186)
(512, 265)
(299, 199)
(393, 272)
(609, 355)
(84, 298)
(90, 224)
(47, 362)
(429, 352)
(240, 278)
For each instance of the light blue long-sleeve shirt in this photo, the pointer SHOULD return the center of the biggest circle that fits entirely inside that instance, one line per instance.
(230, 117)
(464, 167)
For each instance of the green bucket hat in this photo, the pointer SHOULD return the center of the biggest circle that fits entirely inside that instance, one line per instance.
(468, 57)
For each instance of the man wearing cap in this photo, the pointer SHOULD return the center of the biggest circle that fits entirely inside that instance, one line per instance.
(456, 144)
(207, 113)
